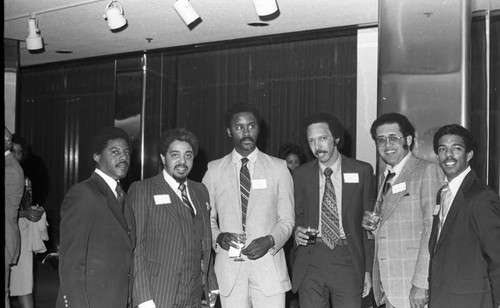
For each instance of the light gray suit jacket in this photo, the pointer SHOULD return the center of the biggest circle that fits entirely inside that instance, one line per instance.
(270, 211)
(14, 188)
(402, 237)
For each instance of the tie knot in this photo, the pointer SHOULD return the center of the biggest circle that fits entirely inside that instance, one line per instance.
(328, 172)
(182, 186)
(244, 161)
(389, 176)
(119, 188)
(445, 189)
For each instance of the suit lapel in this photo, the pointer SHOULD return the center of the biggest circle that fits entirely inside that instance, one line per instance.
(347, 189)
(259, 172)
(392, 200)
(455, 207)
(160, 187)
(313, 192)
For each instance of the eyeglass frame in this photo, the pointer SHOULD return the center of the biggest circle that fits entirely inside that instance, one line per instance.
(392, 139)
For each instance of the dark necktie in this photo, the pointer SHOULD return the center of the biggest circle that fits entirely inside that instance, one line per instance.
(185, 199)
(120, 196)
(330, 230)
(245, 185)
(387, 182)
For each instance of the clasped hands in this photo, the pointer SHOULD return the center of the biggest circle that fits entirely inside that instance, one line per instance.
(256, 249)
(33, 214)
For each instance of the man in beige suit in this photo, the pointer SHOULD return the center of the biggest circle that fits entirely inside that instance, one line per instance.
(401, 240)
(251, 193)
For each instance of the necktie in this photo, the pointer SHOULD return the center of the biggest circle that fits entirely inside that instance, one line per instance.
(185, 199)
(330, 231)
(446, 197)
(387, 182)
(245, 185)
(120, 196)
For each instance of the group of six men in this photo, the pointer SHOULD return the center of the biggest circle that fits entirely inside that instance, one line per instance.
(155, 248)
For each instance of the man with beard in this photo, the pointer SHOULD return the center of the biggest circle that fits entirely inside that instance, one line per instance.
(97, 231)
(172, 257)
(252, 207)
(407, 197)
(331, 194)
(465, 238)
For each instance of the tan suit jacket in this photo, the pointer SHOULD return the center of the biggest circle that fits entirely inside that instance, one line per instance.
(402, 237)
(270, 211)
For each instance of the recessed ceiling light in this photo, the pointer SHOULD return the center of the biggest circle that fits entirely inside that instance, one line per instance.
(258, 24)
(64, 51)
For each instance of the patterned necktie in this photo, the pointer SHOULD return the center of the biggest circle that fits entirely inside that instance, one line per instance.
(446, 197)
(245, 185)
(185, 199)
(120, 196)
(330, 230)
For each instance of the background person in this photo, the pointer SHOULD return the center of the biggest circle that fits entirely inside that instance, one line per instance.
(292, 154)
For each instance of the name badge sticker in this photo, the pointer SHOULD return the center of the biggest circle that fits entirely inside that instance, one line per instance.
(351, 177)
(162, 199)
(399, 188)
(259, 184)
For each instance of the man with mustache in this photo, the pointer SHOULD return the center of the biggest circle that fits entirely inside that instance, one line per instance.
(98, 231)
(331, 194)
(252, 196)
(406, 200)
(465, 239)
(172, 257)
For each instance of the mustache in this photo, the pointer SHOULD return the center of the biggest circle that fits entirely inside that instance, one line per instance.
(123, 163)
(180, 166)
(247, 139)
(449, 160)
(317, 152)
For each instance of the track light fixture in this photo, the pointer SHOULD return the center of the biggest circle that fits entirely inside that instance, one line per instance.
(186, 12)
(114, 16)
(265, 7)
(34, 40)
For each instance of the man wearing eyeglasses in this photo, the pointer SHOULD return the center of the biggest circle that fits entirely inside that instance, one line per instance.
(406, 200)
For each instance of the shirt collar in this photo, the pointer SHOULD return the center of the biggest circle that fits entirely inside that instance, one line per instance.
(398, 168)
(171, 181)
(109, 180)
(335, 166)
(252, 157)
(457, 181)
(7, 153)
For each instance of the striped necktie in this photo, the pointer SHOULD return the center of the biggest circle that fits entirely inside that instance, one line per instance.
(330, 230)
(245, 185)
(120, 196)
(446, 197)
(185, 199)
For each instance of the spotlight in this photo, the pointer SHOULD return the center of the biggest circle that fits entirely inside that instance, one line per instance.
(34, 40)
(265, 7)
(114, 16)
(186, 11)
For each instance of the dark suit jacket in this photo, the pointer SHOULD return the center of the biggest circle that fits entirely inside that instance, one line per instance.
(14, 188)
(465, 261)
(97, 240)
(356, 198)
(161, 238)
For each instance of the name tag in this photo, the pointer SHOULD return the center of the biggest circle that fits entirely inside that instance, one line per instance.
(162, 199)
(436, 209)
(399, 188)
(259, 184)
(351, 178)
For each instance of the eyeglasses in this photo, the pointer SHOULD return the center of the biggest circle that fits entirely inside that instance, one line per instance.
(392, 139)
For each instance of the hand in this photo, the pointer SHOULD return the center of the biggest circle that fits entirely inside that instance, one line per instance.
(33, 214)
(368, 284)
(418, 297)
(226, 239)
(301, 237)
(258, 248)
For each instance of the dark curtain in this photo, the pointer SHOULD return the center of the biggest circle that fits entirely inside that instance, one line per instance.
(285, 81)
(494, 174)
(60, 109)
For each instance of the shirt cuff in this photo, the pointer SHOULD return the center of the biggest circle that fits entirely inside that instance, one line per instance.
(147, 304)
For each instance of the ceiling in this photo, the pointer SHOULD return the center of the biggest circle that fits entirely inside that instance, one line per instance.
(78, 25)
